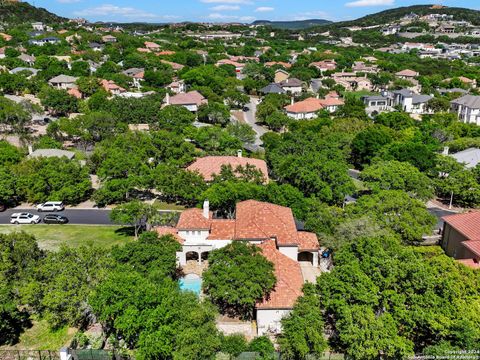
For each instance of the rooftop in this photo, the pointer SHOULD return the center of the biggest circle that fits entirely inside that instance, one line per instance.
(467, 224)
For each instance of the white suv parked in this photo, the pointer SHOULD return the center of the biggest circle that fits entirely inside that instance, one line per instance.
(24, 218)
(51, 206)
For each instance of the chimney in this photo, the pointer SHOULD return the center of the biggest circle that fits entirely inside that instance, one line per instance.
(239, 153)
(292, 101)
(206, 209)
(445, 150)
(30, 149)
(167, 98)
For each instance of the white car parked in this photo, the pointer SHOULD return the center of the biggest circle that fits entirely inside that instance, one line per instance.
(50, 206)
(24, 218)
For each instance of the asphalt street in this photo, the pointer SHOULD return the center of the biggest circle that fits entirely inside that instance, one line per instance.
(75, 216)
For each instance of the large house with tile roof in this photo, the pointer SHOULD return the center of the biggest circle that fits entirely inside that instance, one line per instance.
(461, 238)
(209, 166)
(273, 229)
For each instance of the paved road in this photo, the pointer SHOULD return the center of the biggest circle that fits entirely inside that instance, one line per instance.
(75, 216)
(250, 118)
(439, 213)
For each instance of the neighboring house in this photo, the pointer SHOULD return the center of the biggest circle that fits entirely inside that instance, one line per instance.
(292, 85)
(272, 89)
(136, 74)
(190, 100)
(29, 59)
(48, 40)
(411, 102)
(2, 53)
(331, 104)
(468, 82)
(177, 87)
(20, 69)
(467, 108)
(238, 66)
(325, 65)
(361, 67)
(305, 109)
(407, 74)
(378, 103)
(109, 39)
(281, 63)
(47, 153)
(461, 238)
(351, 82)
(281, 75)
(96, 46)
(152, 46)
(469, 157)
(75, 92)
(273, 229)
(6, 37)
(175, 66)
(112, 88)
(210, 166)
(38, 26)
(64, 82)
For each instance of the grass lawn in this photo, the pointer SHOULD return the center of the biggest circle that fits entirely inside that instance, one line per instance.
(166, 206)
(50, 237)
(41, 337)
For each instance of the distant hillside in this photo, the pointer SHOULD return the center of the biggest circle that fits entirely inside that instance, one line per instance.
(392, 15)
(292, 25)
(22, 12)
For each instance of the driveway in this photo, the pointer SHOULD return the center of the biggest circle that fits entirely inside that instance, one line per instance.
(250, 119)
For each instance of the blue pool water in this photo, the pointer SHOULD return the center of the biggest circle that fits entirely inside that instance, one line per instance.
(191, 282)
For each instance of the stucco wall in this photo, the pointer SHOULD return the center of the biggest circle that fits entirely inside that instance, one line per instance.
(290, 251)
(452, 242)
(268, 320)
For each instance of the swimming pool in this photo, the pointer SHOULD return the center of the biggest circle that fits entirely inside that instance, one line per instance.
(191, 282)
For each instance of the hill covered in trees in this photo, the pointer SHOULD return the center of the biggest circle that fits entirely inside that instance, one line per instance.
(21, 12)
(292, 25)
(392, 15)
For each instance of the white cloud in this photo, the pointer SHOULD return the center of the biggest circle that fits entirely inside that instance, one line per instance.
(245, 2)
(225, 7)
(264, 9)
(225, 17)
(113, 11)
(364, 3)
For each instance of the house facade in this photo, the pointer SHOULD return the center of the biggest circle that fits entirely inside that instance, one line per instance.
(467, 109)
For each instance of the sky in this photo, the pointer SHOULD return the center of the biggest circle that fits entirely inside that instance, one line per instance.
(228, 10)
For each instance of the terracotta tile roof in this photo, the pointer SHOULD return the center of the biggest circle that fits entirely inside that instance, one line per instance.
(109, 85)
(222, 229)
(230, 62)
(166, 52)
(289, 279)
(168, 230)
(331, 101)
(209, 165)
(189, 98)
(284, 64)
(261, 220)
(174, 65)
(193, 219)
(407, 73)
(468, 224)
(151, 45)
(75, 92)
(470, 263)
(143, 50)
(306, 106)
(307, 241)
(473, 246)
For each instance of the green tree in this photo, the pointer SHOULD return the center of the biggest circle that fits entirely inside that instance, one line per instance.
(134, 213)
(242, 132)
(237, 277)
(174, 118)
(397, 211)
(214, 113)
(58, 102)
(263, 346)
(277, 120)
(303, 328)
(395, 120)
(367, 144)
(88, 85)
(395, 175)
(233, 345)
